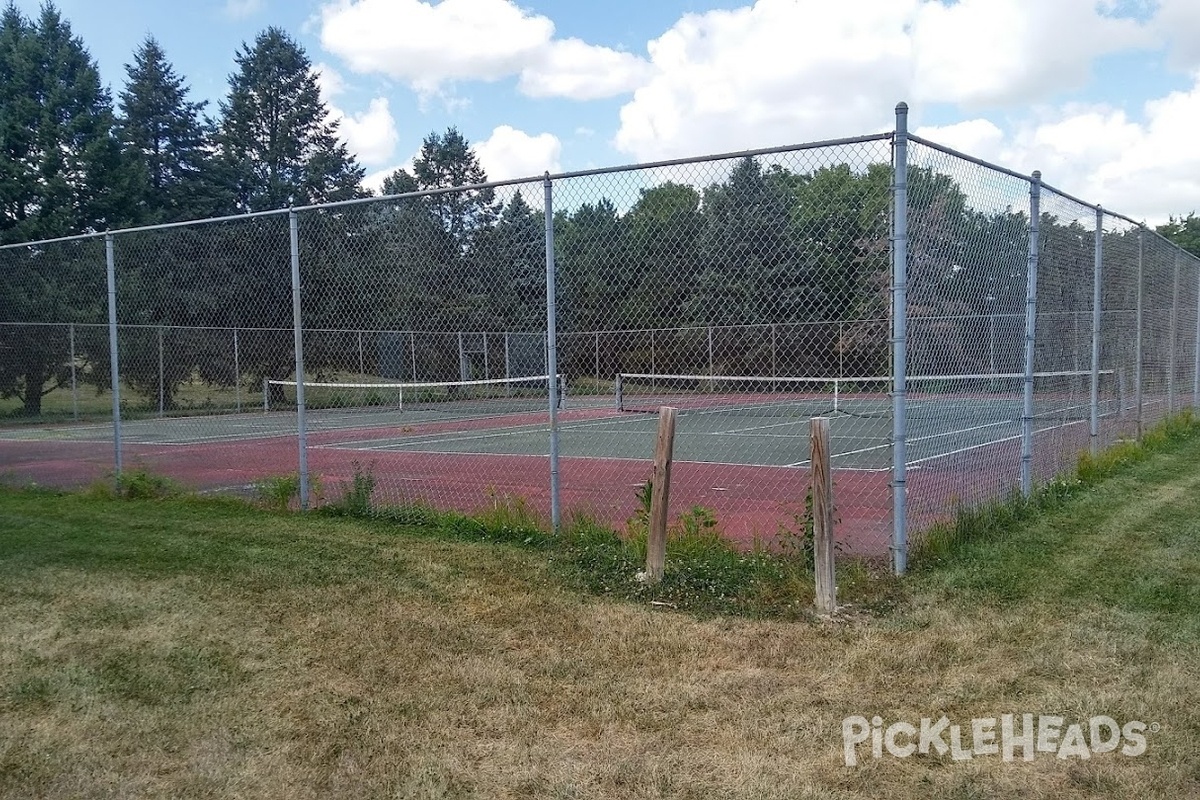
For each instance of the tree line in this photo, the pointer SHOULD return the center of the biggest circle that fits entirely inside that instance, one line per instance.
(765, 244)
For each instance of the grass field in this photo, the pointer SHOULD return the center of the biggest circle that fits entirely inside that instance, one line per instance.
(187, 648)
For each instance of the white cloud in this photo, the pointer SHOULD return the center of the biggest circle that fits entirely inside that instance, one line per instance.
(371, 135)
(736, 79)
(240, 9)
(1145, 169)
(1008, 51)
(373, 181)
(329, 81)
(780, 71)
(572, 68)
(428, 45)
(1178, 22)
(511, 153)
(974, 136)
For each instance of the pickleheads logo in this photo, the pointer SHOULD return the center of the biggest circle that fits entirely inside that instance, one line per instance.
(991, 736)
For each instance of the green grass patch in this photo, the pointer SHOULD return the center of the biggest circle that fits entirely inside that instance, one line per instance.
(175, 646)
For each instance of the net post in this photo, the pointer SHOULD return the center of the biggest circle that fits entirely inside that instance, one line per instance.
(711, 367)
(161, 375)
(412, 352)
(298, 339)
(462, 360)
(1138, 354)
(552, 355)
(74, 383)
(237, 372)
(1097, 299)
(1172, 366)
(111, 276)
(266, 397)
(899, 340)
(1035, 213)
(620, 392)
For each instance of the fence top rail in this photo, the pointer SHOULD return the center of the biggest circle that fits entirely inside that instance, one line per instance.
(551, 177)
(524, 181)
(979, 162)
(912, 137)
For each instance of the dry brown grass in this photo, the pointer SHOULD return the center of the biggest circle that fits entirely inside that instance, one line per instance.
(355, 663)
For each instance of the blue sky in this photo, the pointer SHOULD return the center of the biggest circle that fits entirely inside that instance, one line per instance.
(1102, 95)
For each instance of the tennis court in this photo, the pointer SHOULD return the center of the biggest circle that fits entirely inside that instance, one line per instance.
(741, 450)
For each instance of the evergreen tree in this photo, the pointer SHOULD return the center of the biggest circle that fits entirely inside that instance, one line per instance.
(276, 139)
(60, 174)
(446, 161)
(163, 133)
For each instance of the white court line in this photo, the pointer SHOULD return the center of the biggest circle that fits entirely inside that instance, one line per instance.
(922, 439)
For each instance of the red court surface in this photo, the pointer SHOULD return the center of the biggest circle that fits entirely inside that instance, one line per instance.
(750, 502)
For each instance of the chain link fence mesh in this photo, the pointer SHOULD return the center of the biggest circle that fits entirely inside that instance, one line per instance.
(751, 291)
(739, 290)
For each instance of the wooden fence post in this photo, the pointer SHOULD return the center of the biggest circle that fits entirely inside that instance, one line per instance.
(660, 492)
(822, 511)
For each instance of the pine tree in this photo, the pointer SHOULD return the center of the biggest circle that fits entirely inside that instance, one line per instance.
(276, 139)
(60, 174)
(165, 136)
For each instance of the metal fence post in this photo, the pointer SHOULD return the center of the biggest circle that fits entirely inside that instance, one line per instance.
(1035, 213)
(111, 270)
(298, 339)
(1174, 345)
(899, 341)
(552, 356)
(1138, 356)
(1097, 299)
(1196, 348)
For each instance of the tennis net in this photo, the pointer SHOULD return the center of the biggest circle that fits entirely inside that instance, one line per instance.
(1057, 395)
(479, 397)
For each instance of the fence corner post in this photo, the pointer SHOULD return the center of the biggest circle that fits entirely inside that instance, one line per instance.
(1031, 278)
(900, 341)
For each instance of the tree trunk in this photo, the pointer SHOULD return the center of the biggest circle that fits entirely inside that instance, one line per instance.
(32, 397)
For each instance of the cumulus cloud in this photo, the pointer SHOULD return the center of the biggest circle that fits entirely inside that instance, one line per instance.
(511, 153)
(573, 68)
(1005, 51)
(1145, 169)
(742, 78)
(1178, 23)
(428, 44)
(372, 134)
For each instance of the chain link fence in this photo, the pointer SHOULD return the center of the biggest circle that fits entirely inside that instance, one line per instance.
(507, 345)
